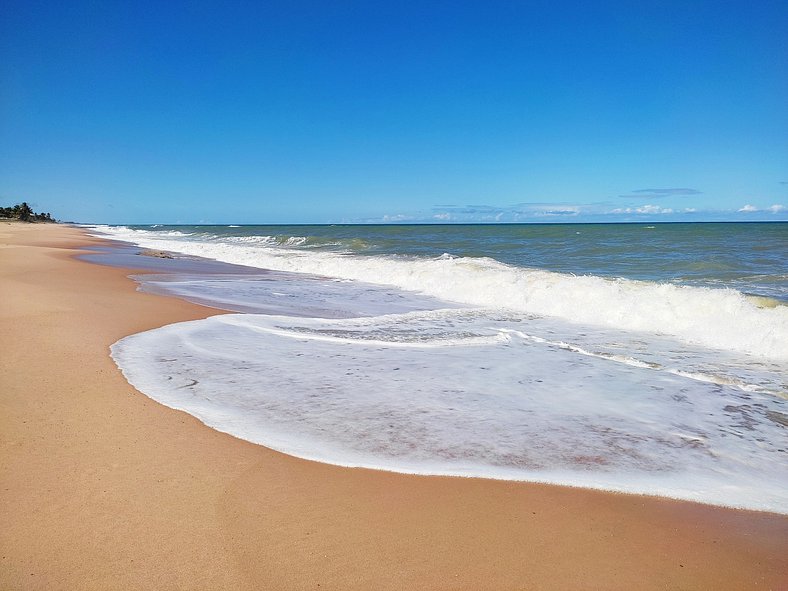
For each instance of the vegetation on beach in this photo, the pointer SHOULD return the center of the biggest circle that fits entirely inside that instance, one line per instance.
(23, 212)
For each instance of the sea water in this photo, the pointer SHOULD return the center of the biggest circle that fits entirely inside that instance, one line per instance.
(638, 358)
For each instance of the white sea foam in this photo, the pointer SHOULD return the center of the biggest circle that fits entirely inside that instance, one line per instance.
(475, 393)
(612, 384)
(719, 318)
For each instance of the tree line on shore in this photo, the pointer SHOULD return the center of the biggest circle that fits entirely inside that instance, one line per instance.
(23, 212)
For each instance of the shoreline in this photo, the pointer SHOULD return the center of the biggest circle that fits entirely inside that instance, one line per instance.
(105, 488)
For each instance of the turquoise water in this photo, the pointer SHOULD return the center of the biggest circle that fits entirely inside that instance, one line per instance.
(637, 358)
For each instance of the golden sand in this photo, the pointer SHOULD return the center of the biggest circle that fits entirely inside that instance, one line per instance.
(102, 488)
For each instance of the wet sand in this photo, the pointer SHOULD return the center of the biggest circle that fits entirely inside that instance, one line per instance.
(102, 488)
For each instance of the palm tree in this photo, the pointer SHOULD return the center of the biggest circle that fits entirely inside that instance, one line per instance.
(25, 212)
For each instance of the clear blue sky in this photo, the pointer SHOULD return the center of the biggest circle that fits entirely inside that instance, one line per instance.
(276, 112)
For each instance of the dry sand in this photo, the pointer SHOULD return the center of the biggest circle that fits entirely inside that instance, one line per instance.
(102, 488)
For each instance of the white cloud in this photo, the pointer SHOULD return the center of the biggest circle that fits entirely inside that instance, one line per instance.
(570, 210)
(507, 213)
(643, 209)
(776, 208)
(653, 209)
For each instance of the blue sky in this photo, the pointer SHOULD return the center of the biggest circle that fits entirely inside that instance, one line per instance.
(279, 112)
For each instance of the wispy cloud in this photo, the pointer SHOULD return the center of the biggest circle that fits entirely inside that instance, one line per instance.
(643, 210)
(658, 193)
(570, 211)
(397, 218)
(776, 208)
(519, 212)
(565, 212)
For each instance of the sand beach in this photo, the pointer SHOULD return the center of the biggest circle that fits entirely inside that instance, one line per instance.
(103, 488)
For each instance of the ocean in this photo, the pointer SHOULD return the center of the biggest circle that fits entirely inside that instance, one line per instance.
(640, 358)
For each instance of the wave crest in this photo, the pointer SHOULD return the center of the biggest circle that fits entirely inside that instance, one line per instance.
(717, 318)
